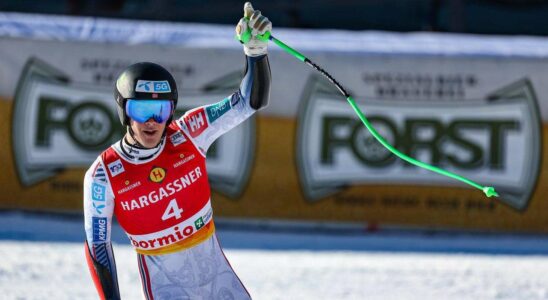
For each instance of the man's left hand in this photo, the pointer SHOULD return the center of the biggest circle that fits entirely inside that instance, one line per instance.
(253, 31)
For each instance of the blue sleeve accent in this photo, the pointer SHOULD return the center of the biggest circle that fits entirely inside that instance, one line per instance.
(103, 269)
(103, 255)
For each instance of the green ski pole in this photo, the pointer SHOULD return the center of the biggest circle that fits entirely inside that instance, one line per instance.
(487, 190)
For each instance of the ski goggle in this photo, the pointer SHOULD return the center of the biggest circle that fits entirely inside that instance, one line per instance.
(144, 110)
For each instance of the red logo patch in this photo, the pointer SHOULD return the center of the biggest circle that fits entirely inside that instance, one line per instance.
(196, 122)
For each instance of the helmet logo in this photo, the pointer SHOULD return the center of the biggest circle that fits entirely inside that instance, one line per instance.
(146, 86)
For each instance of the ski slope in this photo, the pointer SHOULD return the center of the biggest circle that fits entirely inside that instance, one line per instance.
(43, 258)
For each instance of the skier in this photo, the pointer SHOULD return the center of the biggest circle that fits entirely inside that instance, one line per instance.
(154, 180)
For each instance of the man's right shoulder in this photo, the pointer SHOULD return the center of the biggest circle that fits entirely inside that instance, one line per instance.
(98, 166)
(109, 153)
(97, 172)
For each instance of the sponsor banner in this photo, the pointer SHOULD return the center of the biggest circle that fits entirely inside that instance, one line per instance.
(495, 140)
(59, 124)
(311, 159)
(374, 204)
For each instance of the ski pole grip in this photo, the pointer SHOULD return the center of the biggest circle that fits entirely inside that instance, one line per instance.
(265, 37)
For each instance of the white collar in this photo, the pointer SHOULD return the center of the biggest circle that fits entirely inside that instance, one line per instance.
(135, 153)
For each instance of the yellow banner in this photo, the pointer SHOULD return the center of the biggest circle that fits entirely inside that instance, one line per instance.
(275, 192)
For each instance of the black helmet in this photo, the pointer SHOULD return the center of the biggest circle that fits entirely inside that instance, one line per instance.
(146, 81)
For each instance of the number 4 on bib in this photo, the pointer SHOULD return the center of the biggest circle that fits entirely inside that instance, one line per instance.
(172, 210)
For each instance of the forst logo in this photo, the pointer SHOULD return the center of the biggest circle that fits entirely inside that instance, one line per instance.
(340, 133)
(57, 124)
(157, 175)
(89, 124)
(493, 140)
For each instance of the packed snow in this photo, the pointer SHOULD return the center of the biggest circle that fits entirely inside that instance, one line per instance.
(43, 258)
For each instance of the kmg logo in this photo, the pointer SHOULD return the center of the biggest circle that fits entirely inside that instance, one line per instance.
(157, 174)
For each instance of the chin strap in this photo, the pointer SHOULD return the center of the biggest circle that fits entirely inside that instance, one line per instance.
(136, 143)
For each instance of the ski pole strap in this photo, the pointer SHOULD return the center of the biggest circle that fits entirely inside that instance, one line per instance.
(487, 190)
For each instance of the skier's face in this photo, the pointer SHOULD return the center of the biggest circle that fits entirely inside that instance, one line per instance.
(149, 133)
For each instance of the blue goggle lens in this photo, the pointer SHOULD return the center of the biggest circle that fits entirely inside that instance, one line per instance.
(144, 110)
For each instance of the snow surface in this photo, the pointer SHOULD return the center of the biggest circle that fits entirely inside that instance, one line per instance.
(43, 258)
